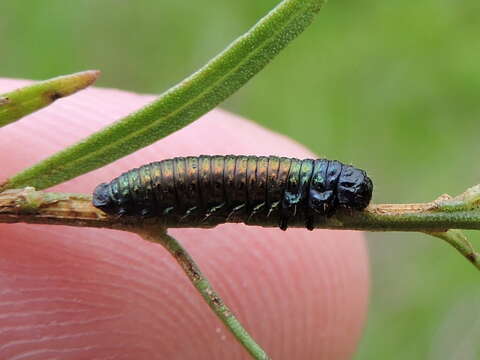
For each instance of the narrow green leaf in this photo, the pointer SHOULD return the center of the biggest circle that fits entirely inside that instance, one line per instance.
(24, 101)
(459, 241)
(180, 105)
(468, 200)
(203, 286)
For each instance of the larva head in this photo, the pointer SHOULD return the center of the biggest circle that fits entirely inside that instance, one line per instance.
(354, 188)
(102, 199)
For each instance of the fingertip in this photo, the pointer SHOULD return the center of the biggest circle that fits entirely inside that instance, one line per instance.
(301, 294)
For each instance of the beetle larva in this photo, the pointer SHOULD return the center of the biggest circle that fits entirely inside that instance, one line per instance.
(193, 189)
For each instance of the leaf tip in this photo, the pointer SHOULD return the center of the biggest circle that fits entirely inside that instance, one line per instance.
(90, 76)
(70, 84)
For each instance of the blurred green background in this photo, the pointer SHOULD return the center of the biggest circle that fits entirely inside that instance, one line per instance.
(392, 87)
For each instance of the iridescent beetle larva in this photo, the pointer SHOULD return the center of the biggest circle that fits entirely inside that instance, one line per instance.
(192, 189)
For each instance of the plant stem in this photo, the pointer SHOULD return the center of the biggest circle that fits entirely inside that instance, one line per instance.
(201, 283)
(31, 206)
(435, 218)
(24, 101)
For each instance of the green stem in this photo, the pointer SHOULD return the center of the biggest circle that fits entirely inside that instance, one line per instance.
(435, 218)
(205, 289)
(179, 106)
(29, 205)
(19, 103)
(423, 217)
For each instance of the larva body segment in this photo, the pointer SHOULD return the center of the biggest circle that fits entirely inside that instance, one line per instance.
(236, 188)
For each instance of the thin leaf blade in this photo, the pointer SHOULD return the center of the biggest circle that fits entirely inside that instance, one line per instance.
(24, 101)
(182, 104)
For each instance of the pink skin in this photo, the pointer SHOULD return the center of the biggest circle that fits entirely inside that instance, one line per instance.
(72, 293)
